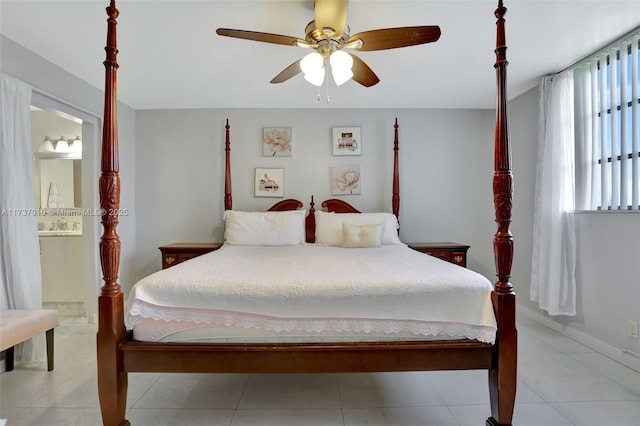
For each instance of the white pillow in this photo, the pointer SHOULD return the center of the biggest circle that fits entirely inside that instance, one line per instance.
(329, 226)
(264, 228)
(361, 236)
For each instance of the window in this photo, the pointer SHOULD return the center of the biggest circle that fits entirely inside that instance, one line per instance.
(608, 128)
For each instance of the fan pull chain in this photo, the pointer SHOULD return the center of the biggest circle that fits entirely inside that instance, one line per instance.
(327, 86)
(327, 90)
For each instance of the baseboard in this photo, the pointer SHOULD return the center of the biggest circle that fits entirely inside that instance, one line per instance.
(617, 354)
(66, 309)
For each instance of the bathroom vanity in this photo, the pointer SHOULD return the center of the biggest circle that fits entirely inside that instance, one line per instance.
(61, 262)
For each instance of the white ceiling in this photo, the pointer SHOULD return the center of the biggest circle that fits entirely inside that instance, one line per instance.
(170, 56)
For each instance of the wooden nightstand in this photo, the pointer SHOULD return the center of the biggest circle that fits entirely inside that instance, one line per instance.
(451, 252)
(175, 253)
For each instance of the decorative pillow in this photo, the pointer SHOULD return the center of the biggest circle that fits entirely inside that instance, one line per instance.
(363, 236)
(329, 226)
(264, 228)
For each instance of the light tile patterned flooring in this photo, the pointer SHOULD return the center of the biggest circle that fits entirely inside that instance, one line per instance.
(560, 382)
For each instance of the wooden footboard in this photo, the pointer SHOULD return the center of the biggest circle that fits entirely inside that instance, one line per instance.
(118, 354)
(306, 358)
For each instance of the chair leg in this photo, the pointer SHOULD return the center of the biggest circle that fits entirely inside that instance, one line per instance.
(49, 336)
(8, 359)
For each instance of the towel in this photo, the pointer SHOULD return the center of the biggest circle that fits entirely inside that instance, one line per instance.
(55, 197)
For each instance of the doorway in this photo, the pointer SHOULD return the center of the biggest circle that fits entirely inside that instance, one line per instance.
(56, 144)
(66, 193)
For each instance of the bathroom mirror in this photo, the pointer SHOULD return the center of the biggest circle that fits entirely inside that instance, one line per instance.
(60, 181)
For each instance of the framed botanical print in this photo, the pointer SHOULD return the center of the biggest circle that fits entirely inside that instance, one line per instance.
(347, 141)
(345, 180)
(269, 182)
(276, 142)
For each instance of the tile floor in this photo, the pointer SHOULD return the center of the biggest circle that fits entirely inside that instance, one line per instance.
(560, 382)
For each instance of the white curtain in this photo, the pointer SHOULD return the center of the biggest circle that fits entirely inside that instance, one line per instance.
(19, 247)
(553, 283)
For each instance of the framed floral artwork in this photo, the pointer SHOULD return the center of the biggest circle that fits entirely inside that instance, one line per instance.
(276, 142)
(345, 180)
(269, 183)
(347, 141)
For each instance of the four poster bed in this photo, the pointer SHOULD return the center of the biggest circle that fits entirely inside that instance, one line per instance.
(322, 321)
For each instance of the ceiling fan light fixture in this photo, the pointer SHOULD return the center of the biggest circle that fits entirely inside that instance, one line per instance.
(315, 77)
(341, 76)
(312, 65)
(341, 64)
(327, 34)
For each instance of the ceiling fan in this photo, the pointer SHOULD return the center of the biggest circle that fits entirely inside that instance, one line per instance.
(327, 35)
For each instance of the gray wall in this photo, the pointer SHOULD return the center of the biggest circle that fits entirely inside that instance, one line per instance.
(608, 252)
(180, 171)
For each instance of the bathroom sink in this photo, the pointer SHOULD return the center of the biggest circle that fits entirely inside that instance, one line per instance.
(60, 233)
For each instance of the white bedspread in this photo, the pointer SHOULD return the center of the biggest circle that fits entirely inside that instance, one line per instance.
(315, 288)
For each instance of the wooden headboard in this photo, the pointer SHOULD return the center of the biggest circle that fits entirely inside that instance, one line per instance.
(332, 205)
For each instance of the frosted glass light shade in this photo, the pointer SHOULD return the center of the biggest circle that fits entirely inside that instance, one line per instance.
(312, 66)
(76, 145)
(341, 64)
(316, 77)
(46, 145)
(311, 62)
(62, 145)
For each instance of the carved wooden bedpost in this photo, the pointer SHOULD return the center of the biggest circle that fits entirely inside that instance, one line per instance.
(502, 375)
(310, 223)
(112, 380)
(228, 200)
(395, 198)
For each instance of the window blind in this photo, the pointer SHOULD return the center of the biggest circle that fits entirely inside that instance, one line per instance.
(608, 128)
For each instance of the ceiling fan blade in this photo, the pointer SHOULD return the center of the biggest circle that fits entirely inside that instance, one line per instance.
(362, 73)
(331, 14)
(257, 36)
(289, 72)
(391, 38)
